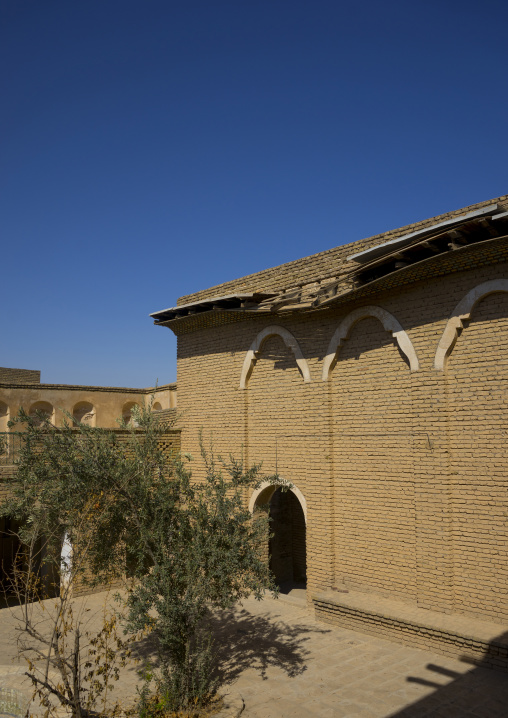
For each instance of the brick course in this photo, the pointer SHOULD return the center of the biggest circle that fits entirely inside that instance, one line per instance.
(20, 376)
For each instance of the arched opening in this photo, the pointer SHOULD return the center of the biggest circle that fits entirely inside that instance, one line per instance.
(42, 407)
(287, 548)
(4, 437)
(127, 412)
(9, 549)
(84, 412)
(14, 566)
(4, 417)
(157, 406)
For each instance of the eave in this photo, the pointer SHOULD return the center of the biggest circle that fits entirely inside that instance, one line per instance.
(485, 253)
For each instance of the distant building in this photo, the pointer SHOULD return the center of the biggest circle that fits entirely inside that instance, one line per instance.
(94, 405)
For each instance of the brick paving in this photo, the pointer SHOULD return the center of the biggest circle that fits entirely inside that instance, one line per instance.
(287, 665)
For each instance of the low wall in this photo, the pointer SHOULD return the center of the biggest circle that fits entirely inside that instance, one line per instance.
(480, 643)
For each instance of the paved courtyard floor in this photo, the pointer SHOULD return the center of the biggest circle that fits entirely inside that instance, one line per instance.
(285, 664)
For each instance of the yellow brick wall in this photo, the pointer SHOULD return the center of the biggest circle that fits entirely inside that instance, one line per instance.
(371, 426)
(477, 392)
(403, 473)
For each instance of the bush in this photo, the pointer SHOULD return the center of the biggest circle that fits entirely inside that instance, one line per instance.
(191, 546)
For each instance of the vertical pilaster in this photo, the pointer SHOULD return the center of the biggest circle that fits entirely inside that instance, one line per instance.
(433, 510)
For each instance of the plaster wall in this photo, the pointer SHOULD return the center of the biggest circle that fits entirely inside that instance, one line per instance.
(107, 403)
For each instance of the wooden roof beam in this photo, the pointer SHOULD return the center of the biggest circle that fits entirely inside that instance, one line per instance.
(490, 229)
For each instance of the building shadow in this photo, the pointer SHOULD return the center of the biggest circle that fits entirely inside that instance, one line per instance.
(481, 692)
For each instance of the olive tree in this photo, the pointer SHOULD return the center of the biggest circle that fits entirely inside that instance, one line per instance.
(189, 545)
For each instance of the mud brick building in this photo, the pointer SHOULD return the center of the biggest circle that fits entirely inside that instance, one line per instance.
(374, 377)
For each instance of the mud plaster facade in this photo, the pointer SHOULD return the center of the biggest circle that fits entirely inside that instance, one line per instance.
(387, 408)
(94, 405)
(98, 405)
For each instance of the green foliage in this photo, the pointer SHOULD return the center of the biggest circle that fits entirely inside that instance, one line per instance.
(191, 545)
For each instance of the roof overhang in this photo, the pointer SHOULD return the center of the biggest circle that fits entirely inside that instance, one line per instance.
(229, 301)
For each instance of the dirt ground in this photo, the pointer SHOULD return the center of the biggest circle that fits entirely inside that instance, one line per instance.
(285, 664)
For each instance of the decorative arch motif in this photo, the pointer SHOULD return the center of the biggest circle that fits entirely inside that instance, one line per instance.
(461, 313)
(255, 349)
(389, 323)
(267, 485)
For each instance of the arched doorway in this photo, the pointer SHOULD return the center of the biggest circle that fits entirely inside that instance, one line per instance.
(287, 550)
(15, 571)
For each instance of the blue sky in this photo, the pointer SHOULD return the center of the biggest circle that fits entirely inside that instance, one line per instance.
(150, 149)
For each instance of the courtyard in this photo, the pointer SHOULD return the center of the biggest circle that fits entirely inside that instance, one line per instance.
(285, 664)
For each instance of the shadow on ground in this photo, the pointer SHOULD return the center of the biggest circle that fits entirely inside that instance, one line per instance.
(258, 642)
(482, 692)
(246, 641)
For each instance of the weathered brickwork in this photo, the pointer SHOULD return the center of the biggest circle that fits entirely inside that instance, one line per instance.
(319, 266)
(477, 393)
(20, 376)
(371, 431)
(403, 472)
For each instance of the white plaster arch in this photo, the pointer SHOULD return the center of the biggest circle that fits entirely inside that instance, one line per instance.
(461, 313)
(255, 348)
(266, 485)
(389, 323)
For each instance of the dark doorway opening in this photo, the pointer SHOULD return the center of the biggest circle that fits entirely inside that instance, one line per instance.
(13, 561)
(288, 554)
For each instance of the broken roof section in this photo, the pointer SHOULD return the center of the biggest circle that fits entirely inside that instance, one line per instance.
(433, 247)
(230, 301)
(400, 242)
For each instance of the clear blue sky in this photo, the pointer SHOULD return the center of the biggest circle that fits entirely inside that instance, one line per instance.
(149, 149)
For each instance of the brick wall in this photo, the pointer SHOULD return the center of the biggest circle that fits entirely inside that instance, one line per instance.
(403, 473)
(20, 376)
(477, 396)
(371, 434)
